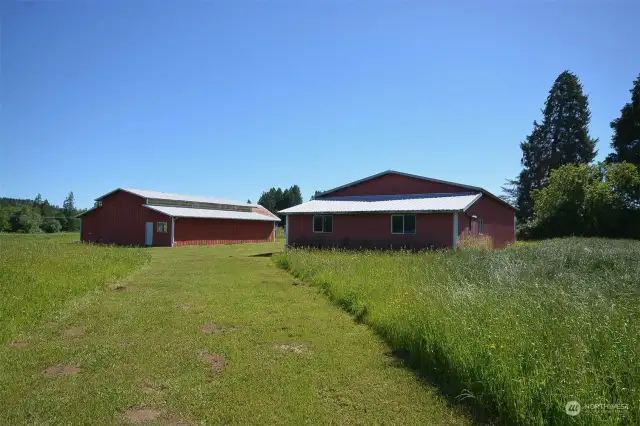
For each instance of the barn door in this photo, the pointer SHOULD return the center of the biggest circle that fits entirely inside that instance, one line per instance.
(148, 235)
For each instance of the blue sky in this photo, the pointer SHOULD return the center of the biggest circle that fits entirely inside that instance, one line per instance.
(229, 98)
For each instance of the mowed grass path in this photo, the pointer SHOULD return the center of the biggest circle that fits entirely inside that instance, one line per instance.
(271, 353)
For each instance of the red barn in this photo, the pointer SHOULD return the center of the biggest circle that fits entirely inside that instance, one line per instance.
(138, 217)
(394, 209)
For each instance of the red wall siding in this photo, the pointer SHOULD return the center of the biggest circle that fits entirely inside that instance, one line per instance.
(392, 184)
(120, 220)
(222, 231)
(498, 220)
(159, 238)
(372, 230)
(91, 229)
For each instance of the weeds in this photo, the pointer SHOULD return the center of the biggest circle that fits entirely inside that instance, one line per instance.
(519, 332)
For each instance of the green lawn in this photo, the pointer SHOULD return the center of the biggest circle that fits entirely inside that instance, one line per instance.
(519, 332)
(200, 335)
(39, 273)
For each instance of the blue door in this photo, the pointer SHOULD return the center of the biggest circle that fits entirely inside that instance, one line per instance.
(148, 236)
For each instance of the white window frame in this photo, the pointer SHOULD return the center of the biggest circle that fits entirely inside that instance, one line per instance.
(166, 227)
(415, 230)
(313, 222)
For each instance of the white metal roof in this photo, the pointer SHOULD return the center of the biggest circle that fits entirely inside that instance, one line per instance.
(427, 203)
(178, 197)
(211, 214)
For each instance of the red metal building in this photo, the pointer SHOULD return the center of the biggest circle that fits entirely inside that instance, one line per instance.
(394, 209)
(138, 217)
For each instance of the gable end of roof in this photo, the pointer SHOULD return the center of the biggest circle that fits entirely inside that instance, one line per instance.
(428, 179)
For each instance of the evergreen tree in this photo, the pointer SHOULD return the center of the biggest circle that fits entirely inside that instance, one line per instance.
(295, 196)
(566, 125)
(268, 200)
(561, 138)
(71, 223)
(248, 201)
(68, 206)
(315, 194)
(276, 199)
(626, 130)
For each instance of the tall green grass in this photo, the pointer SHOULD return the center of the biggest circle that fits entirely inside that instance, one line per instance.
(520, 332)
(39, 273)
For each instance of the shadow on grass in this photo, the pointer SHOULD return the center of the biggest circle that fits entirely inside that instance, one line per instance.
(435, 372)
(446, 383)
(262, 255)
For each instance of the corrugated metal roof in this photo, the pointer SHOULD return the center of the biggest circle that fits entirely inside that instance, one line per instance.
(447, 202)
(211, 214)
(178, 197)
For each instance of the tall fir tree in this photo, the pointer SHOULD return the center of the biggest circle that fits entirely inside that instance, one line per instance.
(71, 223)
(566, 125)
(561, 138)
(68, 206)
(625, 141)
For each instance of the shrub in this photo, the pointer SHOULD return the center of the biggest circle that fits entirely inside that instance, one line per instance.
(51, 225)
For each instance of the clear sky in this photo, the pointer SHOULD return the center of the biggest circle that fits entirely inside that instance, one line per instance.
(229, 98)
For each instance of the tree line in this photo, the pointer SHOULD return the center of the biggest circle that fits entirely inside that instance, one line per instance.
(38, 215)
(560, 190)
(276, 199)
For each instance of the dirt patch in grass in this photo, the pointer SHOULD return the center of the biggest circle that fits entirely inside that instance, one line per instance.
(297, 348)
(122, 288)
(61, 370)
(217, 362)
(141, 415)
(186, 306)
(211, 328)
(74, 332)
(126, 344)
(296, 283)
(18, 345)
(150, 387)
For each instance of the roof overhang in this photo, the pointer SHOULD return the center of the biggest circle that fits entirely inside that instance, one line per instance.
(86, 211)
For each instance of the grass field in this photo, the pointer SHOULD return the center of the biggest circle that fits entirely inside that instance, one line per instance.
(519, 332)
(39, 273)
(197, 335)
